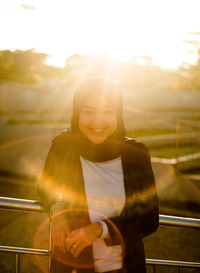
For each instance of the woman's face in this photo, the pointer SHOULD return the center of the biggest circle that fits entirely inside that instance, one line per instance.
(97, 119)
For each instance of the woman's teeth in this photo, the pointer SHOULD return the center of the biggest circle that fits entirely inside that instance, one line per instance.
(98, 130)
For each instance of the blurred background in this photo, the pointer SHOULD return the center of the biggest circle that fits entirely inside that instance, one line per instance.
(152, 49)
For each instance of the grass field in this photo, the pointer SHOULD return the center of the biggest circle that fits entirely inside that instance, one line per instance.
(149, 132)
(171, 152)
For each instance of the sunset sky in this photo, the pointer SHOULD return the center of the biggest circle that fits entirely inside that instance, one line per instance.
(121, 28)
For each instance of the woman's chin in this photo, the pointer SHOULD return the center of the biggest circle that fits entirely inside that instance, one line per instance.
(97, 139)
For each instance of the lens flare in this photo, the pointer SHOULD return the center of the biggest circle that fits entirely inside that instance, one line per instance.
(77, 218)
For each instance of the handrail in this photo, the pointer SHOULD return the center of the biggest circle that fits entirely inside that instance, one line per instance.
(178, 221)
(172, 263)
(34, 206)
(44, 252)
(23, 250)
(25, 205)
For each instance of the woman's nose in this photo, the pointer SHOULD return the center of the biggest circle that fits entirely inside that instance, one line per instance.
(98, 119)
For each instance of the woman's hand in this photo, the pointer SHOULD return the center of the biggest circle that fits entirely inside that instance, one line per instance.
(59, 233)
(59, 228)
(80, 238)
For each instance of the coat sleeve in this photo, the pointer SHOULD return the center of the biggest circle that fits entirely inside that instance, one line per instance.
(48, 187)
(140, 218)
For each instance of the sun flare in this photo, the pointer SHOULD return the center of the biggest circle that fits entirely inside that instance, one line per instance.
(123, 29)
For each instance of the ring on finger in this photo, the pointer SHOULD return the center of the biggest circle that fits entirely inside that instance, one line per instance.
(74, 245)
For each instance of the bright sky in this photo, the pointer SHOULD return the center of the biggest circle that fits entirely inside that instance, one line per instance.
(122, 28)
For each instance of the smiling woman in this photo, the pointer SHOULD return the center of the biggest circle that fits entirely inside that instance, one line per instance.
(99, 187)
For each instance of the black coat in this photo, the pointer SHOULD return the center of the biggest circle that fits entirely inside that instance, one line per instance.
(140, 216)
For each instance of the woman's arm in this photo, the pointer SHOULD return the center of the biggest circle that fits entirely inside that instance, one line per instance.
(49, 191)
(50, 187)
(140, 218)
(59, 226)
(47, 180)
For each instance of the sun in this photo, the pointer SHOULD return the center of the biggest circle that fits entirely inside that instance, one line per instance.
(57, 60)
(123, 29)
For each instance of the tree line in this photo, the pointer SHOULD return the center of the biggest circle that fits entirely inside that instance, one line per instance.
(29, 67)
(26, 67)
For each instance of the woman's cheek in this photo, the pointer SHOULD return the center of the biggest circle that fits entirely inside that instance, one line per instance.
(84, 121)
(112, 122)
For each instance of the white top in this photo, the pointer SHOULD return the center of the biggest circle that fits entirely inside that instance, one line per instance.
(104, 187)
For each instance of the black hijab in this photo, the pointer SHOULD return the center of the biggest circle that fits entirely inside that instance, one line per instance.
(110, 148)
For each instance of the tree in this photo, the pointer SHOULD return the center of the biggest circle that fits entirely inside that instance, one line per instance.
(24, 66)
(189, 74)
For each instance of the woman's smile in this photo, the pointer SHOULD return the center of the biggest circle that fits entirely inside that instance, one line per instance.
(97, 131)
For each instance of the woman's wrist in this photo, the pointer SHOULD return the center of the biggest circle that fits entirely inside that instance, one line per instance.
(105, 232)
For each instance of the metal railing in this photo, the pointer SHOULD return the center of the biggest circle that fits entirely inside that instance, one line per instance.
(33, 206)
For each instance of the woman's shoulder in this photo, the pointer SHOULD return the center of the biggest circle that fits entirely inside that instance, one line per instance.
(63, 136)
(135, 150)
(62, 140)
(132, 142)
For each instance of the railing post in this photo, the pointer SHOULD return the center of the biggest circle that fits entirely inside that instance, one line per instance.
(17, 263)
(50, 242)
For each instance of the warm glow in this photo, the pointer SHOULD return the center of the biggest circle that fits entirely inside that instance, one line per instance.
(121, 28)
